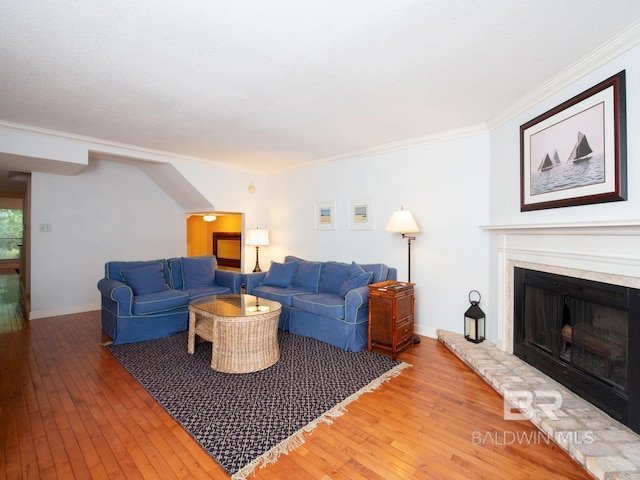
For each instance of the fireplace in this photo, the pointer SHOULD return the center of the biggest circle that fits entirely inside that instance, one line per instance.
(584, 334)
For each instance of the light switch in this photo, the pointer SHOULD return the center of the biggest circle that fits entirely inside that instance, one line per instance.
(45, 227)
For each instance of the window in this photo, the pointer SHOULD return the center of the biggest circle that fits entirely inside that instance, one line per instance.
(11, 227)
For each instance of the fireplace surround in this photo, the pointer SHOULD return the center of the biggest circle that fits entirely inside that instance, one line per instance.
(583, 334)
(604, 252)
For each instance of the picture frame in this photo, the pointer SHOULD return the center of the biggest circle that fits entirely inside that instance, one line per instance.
(325, 215)
(361, 214)
(575, 153)
(227, 248)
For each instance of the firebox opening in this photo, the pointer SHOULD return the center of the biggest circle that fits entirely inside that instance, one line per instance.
(578, 332)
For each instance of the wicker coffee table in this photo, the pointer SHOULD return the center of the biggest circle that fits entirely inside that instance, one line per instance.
(243, 330)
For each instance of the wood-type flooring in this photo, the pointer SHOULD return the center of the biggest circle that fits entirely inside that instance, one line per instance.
(69, 410)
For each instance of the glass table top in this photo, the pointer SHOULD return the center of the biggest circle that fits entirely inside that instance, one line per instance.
(235, 305)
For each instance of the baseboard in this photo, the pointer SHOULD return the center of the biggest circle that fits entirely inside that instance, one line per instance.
(426, 331)
(56, 312)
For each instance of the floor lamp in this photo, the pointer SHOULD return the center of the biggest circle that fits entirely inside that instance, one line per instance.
(402, 222)
(258, 238)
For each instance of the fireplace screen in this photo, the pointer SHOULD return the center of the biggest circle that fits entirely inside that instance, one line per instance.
(590, 336)
(578, 332)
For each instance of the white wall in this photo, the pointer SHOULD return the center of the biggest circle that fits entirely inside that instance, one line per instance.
(40, 146)
(445, 185)
(505, 155)
(109, 211)
(505, 167)
(113, 211)
(229, 191)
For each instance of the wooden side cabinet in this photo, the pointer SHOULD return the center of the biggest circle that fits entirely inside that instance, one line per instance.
(391, 309)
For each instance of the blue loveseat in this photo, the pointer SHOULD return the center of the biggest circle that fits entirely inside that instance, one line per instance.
(142, 300)
(328, 301)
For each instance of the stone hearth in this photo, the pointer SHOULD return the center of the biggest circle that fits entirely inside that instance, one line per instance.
(605, 448)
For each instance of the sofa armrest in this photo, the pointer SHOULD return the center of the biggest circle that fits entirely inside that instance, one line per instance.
(119, 292)
(393, 274)
(357, 305)
(229, 279)
(253, 280)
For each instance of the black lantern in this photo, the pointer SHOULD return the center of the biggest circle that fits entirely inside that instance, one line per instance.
(474, 321)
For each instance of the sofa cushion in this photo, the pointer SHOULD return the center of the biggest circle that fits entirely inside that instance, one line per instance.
(113, 269)
(280, 274)
(293, 258)
(198, 271)
(175, 272)
(278, 294)
(323, 304)
(159, 302)
(199, 292)
(380, 271)
(357, 278)
(145, 280)
(308, 275)
(333, 276)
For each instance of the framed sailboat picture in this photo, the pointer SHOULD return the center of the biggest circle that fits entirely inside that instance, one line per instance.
(575, 154)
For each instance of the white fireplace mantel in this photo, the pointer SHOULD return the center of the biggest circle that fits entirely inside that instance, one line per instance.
(614, 227)
(607, 251)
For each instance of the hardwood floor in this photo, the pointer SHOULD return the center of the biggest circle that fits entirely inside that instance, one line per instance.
(68, 409)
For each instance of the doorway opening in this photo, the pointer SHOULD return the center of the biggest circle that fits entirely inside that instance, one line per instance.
(221, 237)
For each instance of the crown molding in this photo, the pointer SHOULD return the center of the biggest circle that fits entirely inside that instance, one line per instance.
(395, 146)
(108, 147)
(617, 45)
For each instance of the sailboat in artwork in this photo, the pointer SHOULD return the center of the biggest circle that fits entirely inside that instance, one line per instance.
(581, 151)
(546, 164)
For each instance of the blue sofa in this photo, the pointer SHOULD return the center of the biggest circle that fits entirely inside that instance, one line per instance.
(328, 301)
(142, 300)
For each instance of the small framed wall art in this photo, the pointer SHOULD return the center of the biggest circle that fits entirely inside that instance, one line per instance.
(361, 214)
(325, 215)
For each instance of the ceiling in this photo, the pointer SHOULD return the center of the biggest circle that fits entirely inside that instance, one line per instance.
(272, 85)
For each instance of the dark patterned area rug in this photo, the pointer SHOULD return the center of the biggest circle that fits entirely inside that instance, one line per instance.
(245, 420)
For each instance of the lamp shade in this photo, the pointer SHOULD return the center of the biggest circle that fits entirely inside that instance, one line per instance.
(257, 237)
(209, 217)
(402, 221)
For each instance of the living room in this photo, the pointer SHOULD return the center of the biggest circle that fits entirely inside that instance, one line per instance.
(473, 182)
(108, 200)
(454, 183)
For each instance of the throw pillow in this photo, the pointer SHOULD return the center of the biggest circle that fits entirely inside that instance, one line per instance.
(280, 274)
(308, 275)
(380, 271)
(145, 280)
(198, 271)
(357, 278)
(333, 276)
